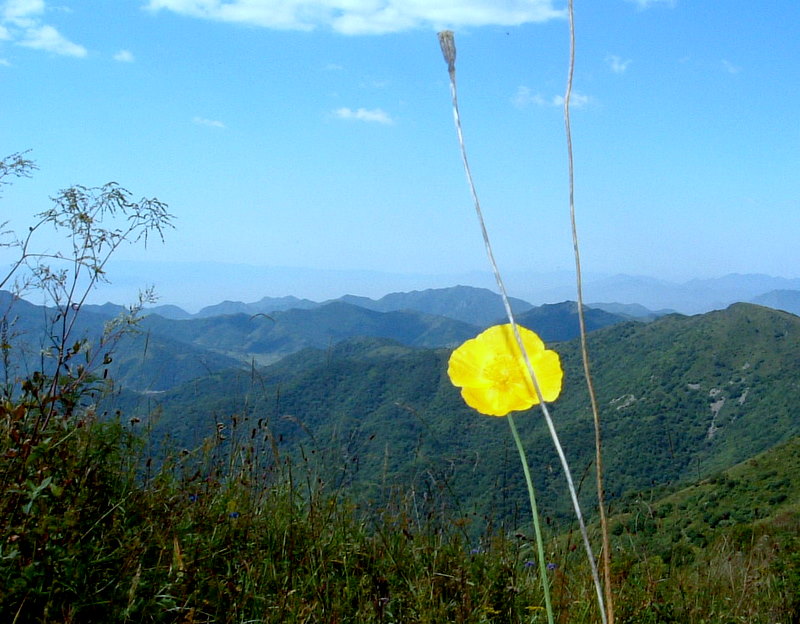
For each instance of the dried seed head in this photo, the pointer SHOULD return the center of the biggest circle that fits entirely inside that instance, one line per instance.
(448, 45)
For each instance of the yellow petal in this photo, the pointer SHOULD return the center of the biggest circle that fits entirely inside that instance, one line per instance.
(467, 363)
(493, 402)
(493, 375)
(549, 374)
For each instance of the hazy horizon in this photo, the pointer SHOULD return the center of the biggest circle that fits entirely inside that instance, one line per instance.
(193, 286)
(322, 136)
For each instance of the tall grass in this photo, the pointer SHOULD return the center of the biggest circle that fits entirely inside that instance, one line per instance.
(94, 530)
(224, 533)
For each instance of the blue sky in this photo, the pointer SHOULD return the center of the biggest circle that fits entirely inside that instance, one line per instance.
(320, 135)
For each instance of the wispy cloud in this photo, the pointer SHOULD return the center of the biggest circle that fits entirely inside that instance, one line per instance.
(375, 115)
(49, 39)
(576, 100)
(358, 17)
(617, 64)
(20, 21)
(730, 67)
(646, 4)
(124, 56)
(22, 12)
(209, 123)
(525, 97)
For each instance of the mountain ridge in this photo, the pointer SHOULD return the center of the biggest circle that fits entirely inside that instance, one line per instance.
(688, 395)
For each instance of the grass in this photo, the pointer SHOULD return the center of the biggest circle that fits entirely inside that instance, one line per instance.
(91, 529)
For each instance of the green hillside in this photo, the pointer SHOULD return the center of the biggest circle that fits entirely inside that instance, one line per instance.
(757, 495)
(476, 306)
(690, 395)
(154, 363)
(352, 480)
(267, 338)
(724, 549)
(559, 322)
(681, 397)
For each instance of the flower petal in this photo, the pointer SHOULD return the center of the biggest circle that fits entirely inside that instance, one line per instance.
(493, 375)
(467, 362)
(493, 402)
(549, 374)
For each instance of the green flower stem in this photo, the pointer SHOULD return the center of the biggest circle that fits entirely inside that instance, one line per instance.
(537, 528)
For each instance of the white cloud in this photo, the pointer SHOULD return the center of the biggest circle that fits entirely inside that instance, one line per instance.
(356, 17)
(209, 123)
(375, 115)
(124, 56)
(21, 12)
(4, 62)
(49, 39)
(617, 65)
(525, 97)
(20, 22)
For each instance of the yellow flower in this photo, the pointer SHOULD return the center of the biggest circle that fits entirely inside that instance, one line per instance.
(492, 374)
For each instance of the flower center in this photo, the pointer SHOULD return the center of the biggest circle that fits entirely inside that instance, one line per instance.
(504, 372)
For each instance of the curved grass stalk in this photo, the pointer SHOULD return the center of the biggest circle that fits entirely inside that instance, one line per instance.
(447, 44)
(609, 600)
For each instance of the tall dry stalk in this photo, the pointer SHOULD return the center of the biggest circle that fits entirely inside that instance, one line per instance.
(609, 602)
(448, 46)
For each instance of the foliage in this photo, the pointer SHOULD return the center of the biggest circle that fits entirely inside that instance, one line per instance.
(93, 527)
(224, 535)
(392, 413)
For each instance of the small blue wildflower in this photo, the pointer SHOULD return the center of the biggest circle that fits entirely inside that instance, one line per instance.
(551, 566)
(529, 564)
(193, 498)
(233, 514)
(475, 551)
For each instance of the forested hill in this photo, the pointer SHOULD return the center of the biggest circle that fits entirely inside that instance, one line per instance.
(680, 397)
(168, 351)
(477, 306)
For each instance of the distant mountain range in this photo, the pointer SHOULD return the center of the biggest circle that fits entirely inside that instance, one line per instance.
(786, 300)
(629, 295)
(680, 398)
(170, 351)
(477, 306)
(693, 297)
(175, 346)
